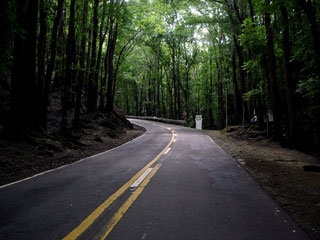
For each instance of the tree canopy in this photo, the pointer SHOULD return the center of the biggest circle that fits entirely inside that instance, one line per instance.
(226, 60)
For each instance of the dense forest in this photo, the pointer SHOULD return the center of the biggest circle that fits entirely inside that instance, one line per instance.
(228, 60)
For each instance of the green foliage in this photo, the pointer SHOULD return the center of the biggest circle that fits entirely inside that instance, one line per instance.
(253, 37)
(174, 56)
(310, 88)
(253, 95)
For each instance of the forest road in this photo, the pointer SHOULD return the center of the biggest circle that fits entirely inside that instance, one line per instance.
(170, 183)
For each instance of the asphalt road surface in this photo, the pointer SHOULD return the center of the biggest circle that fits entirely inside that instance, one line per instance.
(171, 183)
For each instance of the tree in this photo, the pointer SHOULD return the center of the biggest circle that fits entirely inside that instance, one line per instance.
(42, 46)
(109, 58)
(24, 105)
(7, 37)
(287, 69)
(69, 71)
(272, 74)
(163, 58)
(82, 61)
(93, 76)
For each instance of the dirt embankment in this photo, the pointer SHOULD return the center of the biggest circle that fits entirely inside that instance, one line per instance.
(33, 153)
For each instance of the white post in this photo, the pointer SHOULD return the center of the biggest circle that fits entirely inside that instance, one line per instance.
(198, 122)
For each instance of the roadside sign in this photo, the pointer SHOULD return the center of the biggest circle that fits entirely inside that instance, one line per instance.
(198, 122)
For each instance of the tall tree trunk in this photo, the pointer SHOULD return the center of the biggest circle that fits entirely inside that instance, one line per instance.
(220, 98)
(24, 105)
(187, 90)
(42, 47)
(60, 61)
(158, 88)
(210, 96)
(164, 110)
(287, 74)
(243, 89)
(174, 88)
(141, 108)
(93, 78)
(53, 49)
(238, 49)
(103, 32)
(179, 85)
(149, 94)
(236, 95)
(272, 76)
(83, 56)
(66, 98)
(113, 35)
(136, 98)
(170, 91)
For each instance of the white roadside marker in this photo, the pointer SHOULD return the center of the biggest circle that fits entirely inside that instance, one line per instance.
(166, 152)
(137, 182)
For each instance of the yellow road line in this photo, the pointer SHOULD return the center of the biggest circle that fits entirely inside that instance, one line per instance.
(85, 224)
(127, 204)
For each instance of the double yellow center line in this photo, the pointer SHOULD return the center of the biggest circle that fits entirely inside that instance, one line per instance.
(85, 224)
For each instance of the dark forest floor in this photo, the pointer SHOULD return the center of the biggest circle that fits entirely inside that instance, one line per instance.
(32, 152)
(280, 171)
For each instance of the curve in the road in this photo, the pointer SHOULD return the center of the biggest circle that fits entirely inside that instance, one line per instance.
(85, 224)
